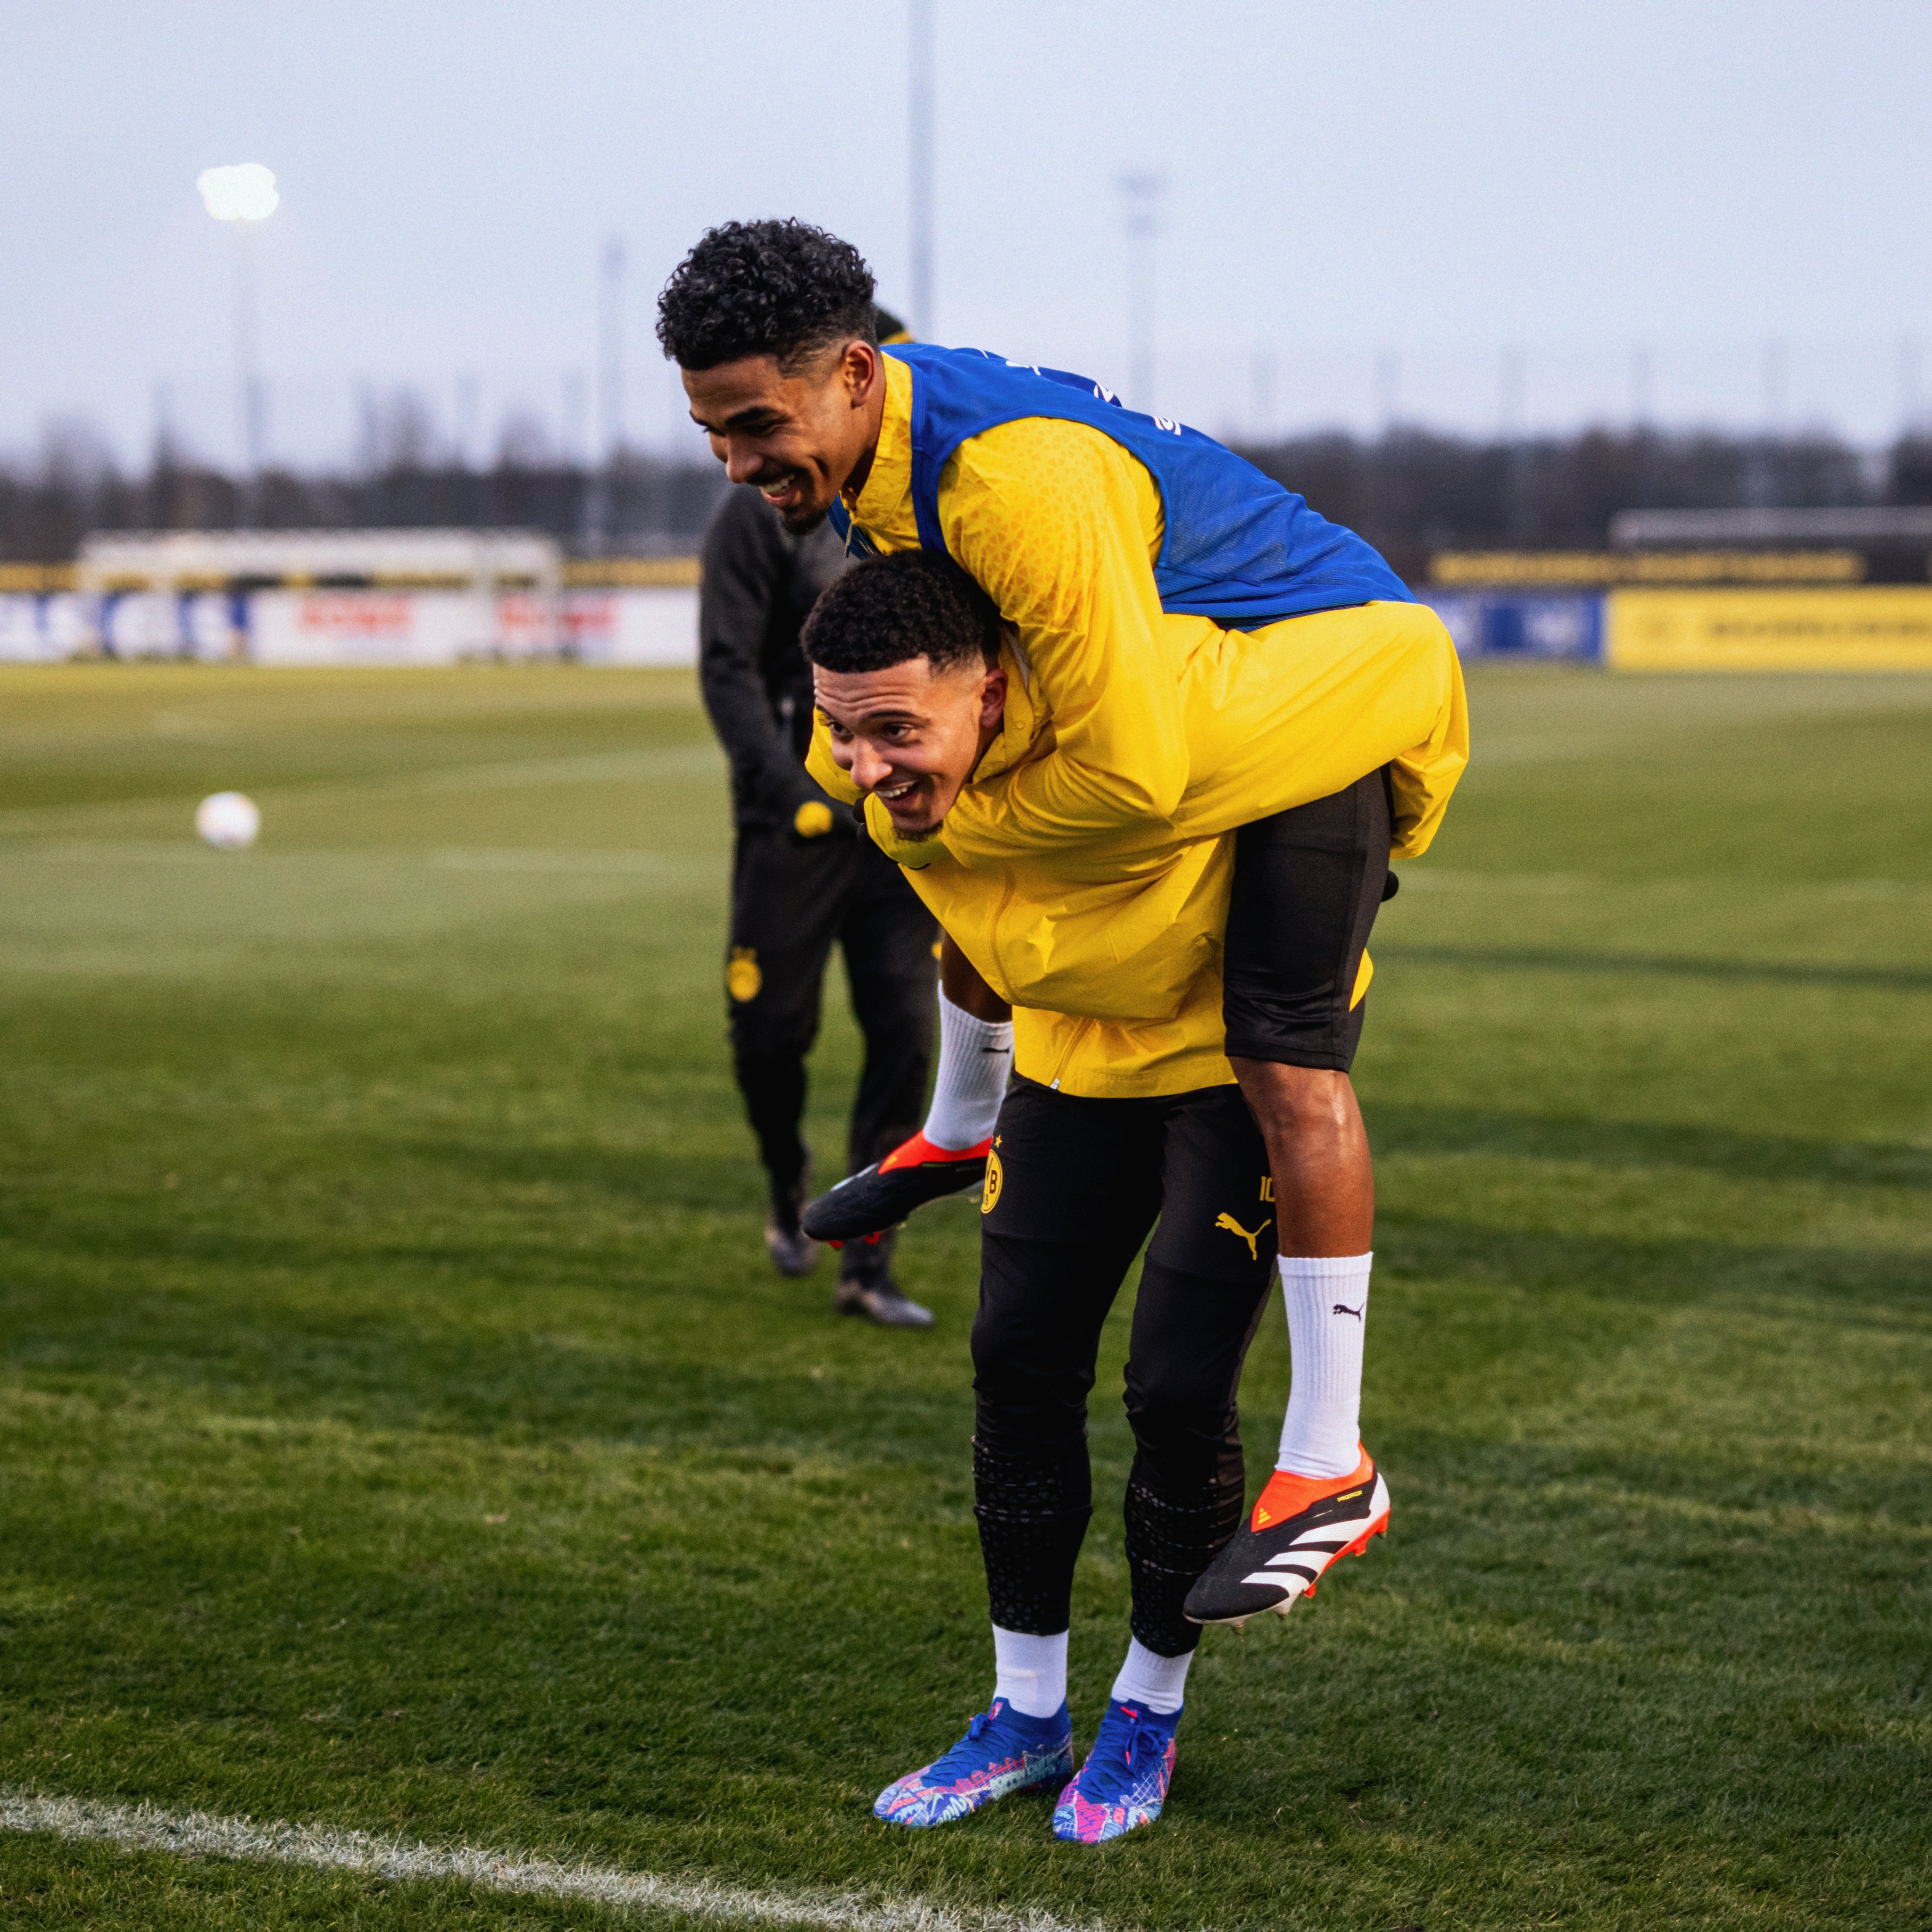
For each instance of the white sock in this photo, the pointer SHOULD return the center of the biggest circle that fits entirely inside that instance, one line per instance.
(975, 1057)
(1157, 1683)
(1327, 1300)
(1030, 1673)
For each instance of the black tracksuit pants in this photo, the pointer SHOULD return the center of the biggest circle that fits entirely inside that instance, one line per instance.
(791, 900)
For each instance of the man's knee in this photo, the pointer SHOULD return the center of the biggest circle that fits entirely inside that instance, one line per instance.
(777, 1022)
(1294, 1103)
(1184, 1443)
(1023, 1405)
(1180, 1406)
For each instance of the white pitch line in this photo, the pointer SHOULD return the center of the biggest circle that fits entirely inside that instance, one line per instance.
(144, 1828)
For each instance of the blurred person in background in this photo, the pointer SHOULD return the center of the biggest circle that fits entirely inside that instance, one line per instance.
(803, 876)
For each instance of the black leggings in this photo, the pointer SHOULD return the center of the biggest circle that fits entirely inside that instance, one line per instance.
(1079, 1182)
(791, 900)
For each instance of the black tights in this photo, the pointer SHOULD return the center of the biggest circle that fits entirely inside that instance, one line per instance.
(1196, 1161)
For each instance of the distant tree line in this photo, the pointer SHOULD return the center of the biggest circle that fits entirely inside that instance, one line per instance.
(1412, 493)
(637, 505)
(1409, 492)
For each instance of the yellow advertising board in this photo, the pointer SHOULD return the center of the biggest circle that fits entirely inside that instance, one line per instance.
(1881, 627)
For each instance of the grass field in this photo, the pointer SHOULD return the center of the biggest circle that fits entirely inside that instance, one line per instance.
(403, 1429)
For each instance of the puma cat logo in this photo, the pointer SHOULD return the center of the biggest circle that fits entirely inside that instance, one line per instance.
(1233, 1227)
(1341, 1308)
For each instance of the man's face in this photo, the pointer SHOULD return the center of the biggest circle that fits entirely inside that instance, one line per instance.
(910, 734)
(798, 437)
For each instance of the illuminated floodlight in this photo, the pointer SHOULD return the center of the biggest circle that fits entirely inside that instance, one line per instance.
(244, 192)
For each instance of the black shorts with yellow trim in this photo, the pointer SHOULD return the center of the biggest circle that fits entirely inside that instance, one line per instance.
(1308, 883)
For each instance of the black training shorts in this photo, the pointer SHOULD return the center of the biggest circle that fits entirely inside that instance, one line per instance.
(1307, 884)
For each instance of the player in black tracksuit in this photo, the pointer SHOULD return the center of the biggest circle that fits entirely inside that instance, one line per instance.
(803, 875)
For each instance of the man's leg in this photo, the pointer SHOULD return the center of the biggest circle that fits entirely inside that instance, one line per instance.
(1307, 886)
(1075, 1184)
(888, 939)
(785, 899)
(1204, 1289)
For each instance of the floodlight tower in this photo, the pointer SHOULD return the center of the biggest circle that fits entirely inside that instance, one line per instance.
(243, 196)
(1142, 194)
(919, 103)
(610, 348)
(598, 502)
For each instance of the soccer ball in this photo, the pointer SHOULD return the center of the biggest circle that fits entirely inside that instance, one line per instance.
(228, 821)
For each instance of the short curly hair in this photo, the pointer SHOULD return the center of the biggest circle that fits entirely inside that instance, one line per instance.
(890, 610)
(782, 289)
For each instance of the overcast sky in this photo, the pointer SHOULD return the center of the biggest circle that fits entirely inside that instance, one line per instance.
(1461, 214)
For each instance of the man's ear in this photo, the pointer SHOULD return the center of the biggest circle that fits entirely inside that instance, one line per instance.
(862, 367)
(993, 701)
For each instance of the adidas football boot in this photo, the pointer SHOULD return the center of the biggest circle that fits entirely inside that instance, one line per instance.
(1123, 1783)
(1002, 1751)
(881, 1196)
(1299, 1526)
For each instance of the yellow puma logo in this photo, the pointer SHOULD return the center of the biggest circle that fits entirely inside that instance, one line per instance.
(1233, 1227)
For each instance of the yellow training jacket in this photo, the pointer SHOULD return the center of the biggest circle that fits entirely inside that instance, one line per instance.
(1084, 869)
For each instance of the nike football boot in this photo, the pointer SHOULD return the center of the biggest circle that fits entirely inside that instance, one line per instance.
(793, 1252)
(880, 1299)
(1123, 1783)
(1299, 1526)
(882, 1195)
(1002, 1751)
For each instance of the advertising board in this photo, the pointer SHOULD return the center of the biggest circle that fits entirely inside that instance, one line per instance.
(1560, 626)
(46, 627)
(1882, 627)
(658, 626)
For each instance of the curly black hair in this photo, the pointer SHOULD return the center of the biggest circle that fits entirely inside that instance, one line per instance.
(889, 609)
(782, 289)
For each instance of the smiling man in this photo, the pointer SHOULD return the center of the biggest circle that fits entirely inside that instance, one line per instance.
(1144, 731)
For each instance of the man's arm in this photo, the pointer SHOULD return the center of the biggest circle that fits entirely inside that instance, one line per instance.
(1048, 518)
(746, 567)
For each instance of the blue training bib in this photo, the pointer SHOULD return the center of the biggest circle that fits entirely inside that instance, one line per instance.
(1237, 548)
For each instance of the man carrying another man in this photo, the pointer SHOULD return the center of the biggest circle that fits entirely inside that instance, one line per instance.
(1143, 730)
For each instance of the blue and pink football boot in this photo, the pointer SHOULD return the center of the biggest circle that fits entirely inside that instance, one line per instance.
(1123, 1783)
(1003, 1751)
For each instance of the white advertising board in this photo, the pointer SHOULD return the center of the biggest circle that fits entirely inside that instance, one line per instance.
(641, 627)
(43, 628)
(633, 627)
(385, 627)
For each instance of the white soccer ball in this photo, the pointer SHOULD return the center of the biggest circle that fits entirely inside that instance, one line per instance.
(229, 821)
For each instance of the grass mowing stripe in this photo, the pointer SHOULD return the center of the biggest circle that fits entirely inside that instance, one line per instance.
(144, 1828)
(457, 858)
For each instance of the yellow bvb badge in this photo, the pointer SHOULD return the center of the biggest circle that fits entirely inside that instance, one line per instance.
(996, 1176)
(812, 820)
(741, 977)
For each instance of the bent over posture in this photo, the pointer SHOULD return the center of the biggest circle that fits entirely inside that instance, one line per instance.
(1143, 731)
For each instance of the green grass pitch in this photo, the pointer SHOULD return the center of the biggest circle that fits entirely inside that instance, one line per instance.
(403, 1430)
